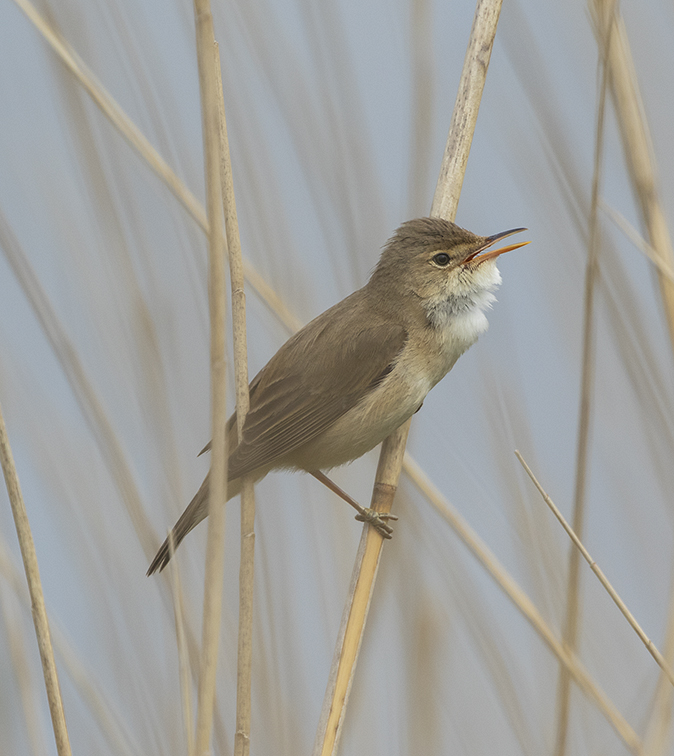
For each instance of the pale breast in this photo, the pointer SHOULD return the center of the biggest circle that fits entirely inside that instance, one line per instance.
(378, 414)
(367, 424)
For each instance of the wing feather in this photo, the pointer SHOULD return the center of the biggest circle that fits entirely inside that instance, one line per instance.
(315, 378)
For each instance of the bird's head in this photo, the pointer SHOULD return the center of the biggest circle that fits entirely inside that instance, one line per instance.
(441, 266)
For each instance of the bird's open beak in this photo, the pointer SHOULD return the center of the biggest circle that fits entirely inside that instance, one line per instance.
(477, 256)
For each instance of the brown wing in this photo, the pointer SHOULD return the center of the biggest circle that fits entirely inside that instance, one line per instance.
(316, 376)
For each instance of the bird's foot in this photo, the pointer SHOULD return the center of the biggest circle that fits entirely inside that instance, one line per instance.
(378, 520)
(371, 516)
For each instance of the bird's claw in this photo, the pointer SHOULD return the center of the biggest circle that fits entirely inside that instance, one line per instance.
(378, 520)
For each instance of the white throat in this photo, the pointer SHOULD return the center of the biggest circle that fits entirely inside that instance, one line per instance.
(460, 315)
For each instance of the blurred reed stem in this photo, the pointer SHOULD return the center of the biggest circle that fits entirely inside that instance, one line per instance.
(423, 74)
(17, 646)
(92, 408)
(571, 620)
(638, 240)
(184, 668)
(139, 142)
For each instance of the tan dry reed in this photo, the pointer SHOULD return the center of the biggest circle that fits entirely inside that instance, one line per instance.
(247, 560)
(215, 547)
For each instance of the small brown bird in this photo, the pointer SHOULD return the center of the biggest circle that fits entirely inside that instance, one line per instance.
(349, 378)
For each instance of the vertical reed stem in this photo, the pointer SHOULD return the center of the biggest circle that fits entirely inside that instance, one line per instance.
(215, 554)
(247, 568)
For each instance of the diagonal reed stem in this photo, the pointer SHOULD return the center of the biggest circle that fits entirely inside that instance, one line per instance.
(445, 203)
(36, 596)
(652, 648)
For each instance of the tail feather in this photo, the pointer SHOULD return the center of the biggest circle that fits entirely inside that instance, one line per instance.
(196, 511)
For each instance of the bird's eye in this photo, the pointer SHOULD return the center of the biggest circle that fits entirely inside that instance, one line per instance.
(441, 259)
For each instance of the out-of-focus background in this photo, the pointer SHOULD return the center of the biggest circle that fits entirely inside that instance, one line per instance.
(337, 115)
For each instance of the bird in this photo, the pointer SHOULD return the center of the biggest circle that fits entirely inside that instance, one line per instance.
(358, 371)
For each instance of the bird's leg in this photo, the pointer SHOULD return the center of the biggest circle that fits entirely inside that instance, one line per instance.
(371, 516)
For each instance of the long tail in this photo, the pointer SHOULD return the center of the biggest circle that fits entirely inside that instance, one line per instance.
(196, 511)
